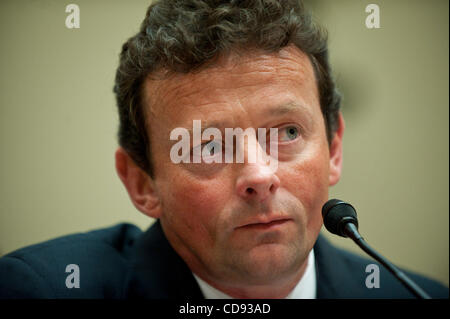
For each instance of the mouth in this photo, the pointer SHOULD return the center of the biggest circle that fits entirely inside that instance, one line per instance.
(265, 225)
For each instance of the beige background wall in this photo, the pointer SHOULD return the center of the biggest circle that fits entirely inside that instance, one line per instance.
(58, 122)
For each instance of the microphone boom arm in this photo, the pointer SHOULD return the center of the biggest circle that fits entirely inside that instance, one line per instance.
(352, 232)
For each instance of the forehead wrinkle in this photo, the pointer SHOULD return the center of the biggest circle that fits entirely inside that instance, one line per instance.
(250, 69)
(179, 88)
(264, 61)
(251, 63)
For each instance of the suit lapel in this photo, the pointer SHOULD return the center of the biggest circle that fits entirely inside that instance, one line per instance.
(157, 272)
(335, 274)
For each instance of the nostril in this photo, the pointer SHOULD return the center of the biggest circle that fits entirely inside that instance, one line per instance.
(250, 190)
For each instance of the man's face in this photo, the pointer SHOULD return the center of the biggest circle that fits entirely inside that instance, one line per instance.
(235, 222)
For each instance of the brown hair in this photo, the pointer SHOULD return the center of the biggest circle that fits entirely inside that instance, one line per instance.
(184, 35)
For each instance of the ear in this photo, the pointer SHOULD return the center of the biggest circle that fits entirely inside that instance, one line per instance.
(336, 153)
(140, 186)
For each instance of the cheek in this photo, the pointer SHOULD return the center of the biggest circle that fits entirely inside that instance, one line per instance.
(308, 182)
(194, 204)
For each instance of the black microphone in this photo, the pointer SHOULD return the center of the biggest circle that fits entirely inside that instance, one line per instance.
(340, 219)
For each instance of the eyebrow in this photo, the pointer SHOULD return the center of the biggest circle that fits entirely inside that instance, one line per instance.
(279, 110)
(205, 124)
(289, 107)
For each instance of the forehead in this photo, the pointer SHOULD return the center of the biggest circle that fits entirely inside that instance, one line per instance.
(237, 76)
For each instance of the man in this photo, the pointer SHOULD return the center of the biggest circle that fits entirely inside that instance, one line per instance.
(225, 227)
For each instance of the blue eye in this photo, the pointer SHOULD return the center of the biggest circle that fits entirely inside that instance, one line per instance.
(208, 152)
(289, 133)
(211, 148)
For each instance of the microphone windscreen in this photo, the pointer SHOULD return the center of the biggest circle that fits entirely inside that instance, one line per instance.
(336, 213)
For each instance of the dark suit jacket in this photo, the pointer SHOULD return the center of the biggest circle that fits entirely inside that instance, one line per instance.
(123, 262)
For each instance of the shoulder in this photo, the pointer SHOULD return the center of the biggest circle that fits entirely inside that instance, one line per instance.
(98, 258)
(157, 271)
(343, 274)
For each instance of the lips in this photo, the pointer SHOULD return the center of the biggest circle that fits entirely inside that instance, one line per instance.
(264, 224)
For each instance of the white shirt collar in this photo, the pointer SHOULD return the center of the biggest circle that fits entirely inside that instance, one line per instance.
(305, 288)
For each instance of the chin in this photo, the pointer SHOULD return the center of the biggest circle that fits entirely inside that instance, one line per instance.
(270, 262)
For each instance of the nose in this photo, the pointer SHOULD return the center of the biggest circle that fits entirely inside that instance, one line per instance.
(257, 181)
(257, 184)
